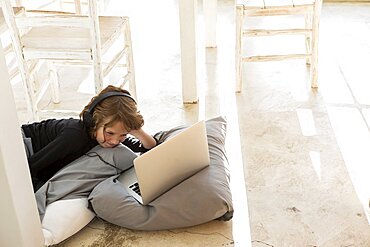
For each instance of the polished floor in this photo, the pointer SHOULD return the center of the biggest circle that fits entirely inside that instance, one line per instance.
(304, 153)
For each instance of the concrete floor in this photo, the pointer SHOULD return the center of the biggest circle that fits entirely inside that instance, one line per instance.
(304, 152)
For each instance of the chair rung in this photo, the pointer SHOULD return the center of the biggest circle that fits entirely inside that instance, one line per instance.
(41, 91)
(30, 53)
(121, 83)
(13, 73)
(50, 113)
(8, 49)
(268, 32)
(274, 57)
(115, 60)
(278, 10)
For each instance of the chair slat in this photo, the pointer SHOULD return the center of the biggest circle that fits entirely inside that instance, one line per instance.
(270, 32)
(274, 57)
(61, 21)
(301, 9)
(31, 53)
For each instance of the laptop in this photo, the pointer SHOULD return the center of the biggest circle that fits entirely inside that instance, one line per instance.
(168, 164)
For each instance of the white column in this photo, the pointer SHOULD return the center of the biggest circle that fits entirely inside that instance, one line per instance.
(188, 14)
(20, 224)
(210, 22)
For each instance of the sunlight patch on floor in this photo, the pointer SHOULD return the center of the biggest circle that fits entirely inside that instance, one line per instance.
(353, 138)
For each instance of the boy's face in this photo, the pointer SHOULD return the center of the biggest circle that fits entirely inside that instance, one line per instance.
(111, 136)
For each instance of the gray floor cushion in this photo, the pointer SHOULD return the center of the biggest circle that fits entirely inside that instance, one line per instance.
(201, 198)
(78, 178)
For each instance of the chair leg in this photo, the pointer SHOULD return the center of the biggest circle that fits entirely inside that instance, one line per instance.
(314, 42)
(30, 98)
(238, 48)
(96, 48)
(130, 60)
(29, 88)
(78, 7)
(98, 76)
(308, 37)
(53, 77)
(98, 70)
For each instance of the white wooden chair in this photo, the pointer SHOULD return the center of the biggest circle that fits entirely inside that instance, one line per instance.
(310, 10)
(61, 38)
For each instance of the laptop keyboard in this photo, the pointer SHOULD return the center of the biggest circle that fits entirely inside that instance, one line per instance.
(135, 187)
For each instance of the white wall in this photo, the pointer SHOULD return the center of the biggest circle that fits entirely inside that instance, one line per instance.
(19, 220)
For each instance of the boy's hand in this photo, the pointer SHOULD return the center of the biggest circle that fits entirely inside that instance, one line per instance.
(147, 140)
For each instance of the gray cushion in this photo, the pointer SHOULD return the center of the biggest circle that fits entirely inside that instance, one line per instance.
(79, 178)
(201, 198)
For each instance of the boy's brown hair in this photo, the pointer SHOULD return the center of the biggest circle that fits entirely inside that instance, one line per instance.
(114, 109)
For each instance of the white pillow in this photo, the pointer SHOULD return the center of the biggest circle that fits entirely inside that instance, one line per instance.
(64, 218)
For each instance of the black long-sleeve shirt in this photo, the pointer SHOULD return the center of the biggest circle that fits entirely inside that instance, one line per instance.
(56, 143)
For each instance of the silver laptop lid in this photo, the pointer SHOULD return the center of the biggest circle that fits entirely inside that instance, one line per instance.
(171, 162)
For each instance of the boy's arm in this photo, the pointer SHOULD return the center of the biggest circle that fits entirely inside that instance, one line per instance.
(146, 140)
